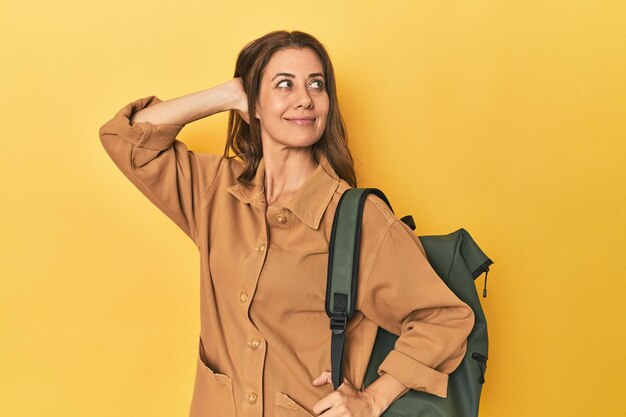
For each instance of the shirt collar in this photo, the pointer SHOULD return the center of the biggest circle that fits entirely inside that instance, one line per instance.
(308, 203)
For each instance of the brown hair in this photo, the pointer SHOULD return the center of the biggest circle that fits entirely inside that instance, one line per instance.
(245, 139)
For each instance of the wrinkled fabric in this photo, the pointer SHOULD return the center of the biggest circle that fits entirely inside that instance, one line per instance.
(264, 333)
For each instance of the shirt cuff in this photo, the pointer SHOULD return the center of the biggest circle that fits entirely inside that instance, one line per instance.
(414, 374)
(145, 134)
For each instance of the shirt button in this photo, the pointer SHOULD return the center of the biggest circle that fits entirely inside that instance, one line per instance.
(243, 296)
(252, 397)
(260, 248)
(281, 219)
(255, 343)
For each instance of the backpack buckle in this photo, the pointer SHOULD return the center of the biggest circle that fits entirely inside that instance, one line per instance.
(338, 322)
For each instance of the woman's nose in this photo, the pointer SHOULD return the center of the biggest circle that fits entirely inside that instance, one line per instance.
(304, 99)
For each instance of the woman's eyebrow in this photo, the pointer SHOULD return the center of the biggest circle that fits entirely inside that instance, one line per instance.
(286, 74)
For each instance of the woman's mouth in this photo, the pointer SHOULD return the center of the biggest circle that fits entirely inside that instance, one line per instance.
(302, 121)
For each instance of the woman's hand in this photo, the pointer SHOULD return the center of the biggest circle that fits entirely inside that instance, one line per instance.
(345, 401)
(241, 103)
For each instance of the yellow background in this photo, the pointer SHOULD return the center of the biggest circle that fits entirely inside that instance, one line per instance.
(505, 118)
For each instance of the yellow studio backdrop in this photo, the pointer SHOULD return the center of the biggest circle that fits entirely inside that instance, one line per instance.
(505, 118)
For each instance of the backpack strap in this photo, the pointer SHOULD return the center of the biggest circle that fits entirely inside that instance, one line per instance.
(343, 265)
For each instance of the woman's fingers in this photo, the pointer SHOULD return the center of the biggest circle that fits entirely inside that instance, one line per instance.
(242, 99)
(324, 378)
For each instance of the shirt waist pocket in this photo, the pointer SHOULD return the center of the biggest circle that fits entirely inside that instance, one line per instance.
(213, 392)
(285, 406)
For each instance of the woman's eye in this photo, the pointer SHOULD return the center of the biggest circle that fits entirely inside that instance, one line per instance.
(283, 81)
(321, 83)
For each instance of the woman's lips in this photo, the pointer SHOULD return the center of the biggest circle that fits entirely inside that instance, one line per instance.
(302, 122)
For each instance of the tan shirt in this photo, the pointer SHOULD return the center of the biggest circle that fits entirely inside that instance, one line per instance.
(264, 331)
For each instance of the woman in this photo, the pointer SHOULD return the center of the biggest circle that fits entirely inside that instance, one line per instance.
(262, 219)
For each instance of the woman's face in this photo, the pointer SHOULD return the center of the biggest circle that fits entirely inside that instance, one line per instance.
(292, 87)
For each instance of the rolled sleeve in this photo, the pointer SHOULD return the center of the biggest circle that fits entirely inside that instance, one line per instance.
(414, 374)
(174, 178)
(142, 134)
(405, 296)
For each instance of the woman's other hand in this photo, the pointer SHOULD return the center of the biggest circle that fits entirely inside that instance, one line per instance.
(241, 103)
(345, 401)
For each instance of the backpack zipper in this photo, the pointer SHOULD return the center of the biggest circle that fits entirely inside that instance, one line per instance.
(481, 361)
(485, 286)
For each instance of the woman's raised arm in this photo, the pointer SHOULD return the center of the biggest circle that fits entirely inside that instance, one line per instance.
(141, 141)
(194, 106)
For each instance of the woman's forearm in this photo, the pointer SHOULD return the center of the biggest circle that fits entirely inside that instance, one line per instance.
(191, 107)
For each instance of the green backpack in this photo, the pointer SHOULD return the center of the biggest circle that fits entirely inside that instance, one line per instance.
(458, 260)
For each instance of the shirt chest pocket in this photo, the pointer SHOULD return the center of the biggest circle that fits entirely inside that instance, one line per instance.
(213, 392)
